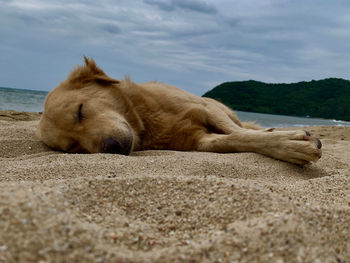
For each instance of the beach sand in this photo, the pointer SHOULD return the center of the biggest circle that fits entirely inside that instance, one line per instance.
(167, 206)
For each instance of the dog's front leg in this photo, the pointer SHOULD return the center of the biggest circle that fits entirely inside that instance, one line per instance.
(297, 147)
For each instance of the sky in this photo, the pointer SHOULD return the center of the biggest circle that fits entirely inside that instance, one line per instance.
(192, 44)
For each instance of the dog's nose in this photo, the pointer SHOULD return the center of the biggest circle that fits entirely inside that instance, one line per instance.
(111, 145)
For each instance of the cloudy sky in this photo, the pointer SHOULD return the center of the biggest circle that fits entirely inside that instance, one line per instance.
(193, 44)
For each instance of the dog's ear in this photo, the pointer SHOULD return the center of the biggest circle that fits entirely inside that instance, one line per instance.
(90, 72)
(104, 80)
(91, 65)
(97, 74)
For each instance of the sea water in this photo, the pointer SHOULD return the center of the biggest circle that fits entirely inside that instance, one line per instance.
(275, 121)
(22, 100)
(33, 101)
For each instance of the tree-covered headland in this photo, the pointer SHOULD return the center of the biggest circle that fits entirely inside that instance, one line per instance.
(327, 98)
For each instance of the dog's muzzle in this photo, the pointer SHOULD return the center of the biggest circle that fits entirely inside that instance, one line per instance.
(111, 145)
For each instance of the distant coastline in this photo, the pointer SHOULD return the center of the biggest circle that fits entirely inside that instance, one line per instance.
(327, 98)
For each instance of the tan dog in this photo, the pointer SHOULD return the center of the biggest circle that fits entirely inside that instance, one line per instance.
(91, 112)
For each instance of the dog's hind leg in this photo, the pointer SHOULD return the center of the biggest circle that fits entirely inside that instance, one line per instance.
(292, 146)
(230, 113)
(230, 116)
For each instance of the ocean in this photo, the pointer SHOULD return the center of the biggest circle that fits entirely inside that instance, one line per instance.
(22, 100)
(276, 121)
(33, 101)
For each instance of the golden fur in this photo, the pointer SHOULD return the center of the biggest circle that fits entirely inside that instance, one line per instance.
(91, 112)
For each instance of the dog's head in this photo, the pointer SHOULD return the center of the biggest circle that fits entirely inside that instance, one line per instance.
(87, 113)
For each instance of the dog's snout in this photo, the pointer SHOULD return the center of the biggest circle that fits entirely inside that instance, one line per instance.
(110, 145)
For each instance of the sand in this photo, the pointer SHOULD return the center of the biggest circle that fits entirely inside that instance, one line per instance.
(167, 206)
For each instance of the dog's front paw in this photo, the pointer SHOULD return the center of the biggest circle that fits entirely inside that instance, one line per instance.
(298, 147)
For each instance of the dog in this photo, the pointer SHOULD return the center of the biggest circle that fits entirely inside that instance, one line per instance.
(90, 112)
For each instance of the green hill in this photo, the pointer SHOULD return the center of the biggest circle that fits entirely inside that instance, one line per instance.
(327, 98)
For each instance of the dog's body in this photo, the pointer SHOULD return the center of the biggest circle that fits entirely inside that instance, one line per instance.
(91, 112)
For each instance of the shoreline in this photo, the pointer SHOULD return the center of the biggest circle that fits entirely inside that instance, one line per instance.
(168, 206)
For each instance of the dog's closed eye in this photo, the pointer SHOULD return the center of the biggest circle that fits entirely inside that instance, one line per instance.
(80, 113)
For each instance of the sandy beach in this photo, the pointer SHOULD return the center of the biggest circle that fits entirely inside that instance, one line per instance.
(166, 206)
